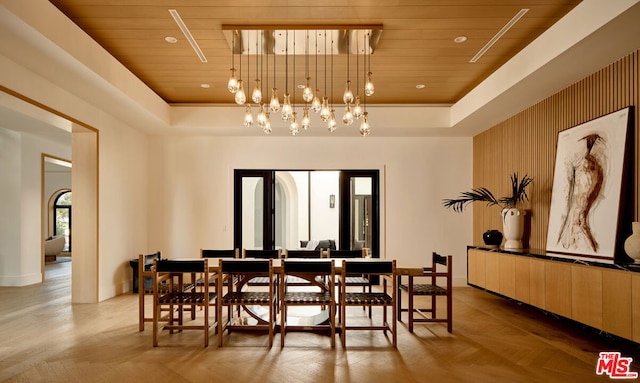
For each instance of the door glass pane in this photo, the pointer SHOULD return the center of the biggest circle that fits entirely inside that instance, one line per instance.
(252, 212)
(304, 210)
(361, 213)
(62, 225)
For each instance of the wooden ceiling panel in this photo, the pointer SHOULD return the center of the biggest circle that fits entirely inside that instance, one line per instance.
(416, 44)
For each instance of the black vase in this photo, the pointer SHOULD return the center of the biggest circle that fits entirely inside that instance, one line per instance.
(492, 238)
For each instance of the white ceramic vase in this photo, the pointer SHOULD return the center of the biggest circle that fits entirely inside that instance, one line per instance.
(513, 227)
(632, 243)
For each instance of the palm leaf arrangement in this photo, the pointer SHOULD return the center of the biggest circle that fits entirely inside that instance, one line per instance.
(518, 194)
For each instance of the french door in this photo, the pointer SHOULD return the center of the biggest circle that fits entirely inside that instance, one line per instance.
(286, 209)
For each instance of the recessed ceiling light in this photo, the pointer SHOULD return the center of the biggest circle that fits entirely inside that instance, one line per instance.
(300, 86)
(205, 86)
(460, 39)
(420, 86)
(171, 39)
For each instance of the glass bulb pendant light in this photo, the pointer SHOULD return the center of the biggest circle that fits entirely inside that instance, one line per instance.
(306, 121)
(262, 117)
(316, 104)
(232, 85)
(275, 103)
(248, 117)
(348, 94)
(267, 125)
(307, 93)
(331, 123)
(256, 96)
(357, 108)
(368, 87)
(347, 118)
(325, 112)
(364, 126)
(287, 109)
(293, 128)
(240, 97)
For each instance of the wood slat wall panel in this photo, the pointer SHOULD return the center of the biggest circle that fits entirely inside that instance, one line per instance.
(527, 141)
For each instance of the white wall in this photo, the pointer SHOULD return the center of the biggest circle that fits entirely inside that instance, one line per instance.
(10, 191)
(20, 195)
(191, 206)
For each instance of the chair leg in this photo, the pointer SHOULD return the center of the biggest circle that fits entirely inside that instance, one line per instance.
(140, 308)
(449, 312)
(410, 284)
(156, 315)
(283, 310)
(399, 299)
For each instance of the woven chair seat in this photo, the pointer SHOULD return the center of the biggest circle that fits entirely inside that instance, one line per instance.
(185, 298)
(356, 281)
(259, 281)
(425, 289)
(212, 282)
(367, 299)
(246, 298)
(310, 298)
(296, 281)
(164, 287)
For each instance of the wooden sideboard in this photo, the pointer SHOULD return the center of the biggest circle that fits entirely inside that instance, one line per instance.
(605, 296)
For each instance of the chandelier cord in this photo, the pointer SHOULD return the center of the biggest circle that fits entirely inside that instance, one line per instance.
(293, 76)
(325, 62)
(357, 67)
(348, 53)
(286, 82)
(332, 73)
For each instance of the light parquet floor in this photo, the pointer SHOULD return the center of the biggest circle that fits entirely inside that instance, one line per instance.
(45, 338)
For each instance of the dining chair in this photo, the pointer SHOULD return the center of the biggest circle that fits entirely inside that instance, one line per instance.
(261, 254)
(386, 271)
(301, 254)
(213, 254)
(145, 284)
(353, 280)
(437, 283)
(173, 273)
(244, 298)
(319, 275)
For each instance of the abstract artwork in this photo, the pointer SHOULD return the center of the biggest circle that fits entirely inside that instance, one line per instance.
(587, 182)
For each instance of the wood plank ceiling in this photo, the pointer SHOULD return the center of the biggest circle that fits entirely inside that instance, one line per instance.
(416, 45)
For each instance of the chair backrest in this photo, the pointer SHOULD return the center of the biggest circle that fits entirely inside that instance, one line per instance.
(145, 275)
(262, 254)
(318, 267)
(346, 253)
(303, 253)
(181, 265)
(225, 253)
(371, 267)
(146, 260)
(444, 261)
(239, 266)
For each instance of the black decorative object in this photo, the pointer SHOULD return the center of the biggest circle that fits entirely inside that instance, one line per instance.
(492, 238)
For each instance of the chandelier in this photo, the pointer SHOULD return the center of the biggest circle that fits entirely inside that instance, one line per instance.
(301, 61)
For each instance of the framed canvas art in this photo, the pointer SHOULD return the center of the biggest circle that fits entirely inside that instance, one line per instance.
(587, 184)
